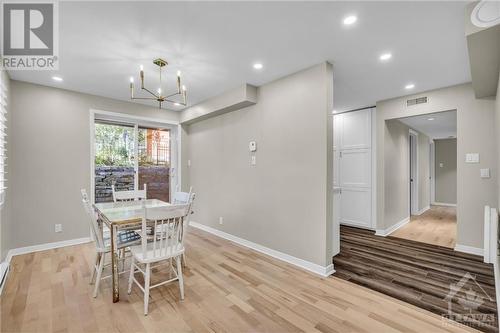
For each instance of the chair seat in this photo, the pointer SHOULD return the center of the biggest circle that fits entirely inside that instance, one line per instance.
(155, 255)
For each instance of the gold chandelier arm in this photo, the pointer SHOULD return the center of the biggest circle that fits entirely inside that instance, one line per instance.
(171, 101)
(145, 98)
(172, 95)
(152, 93)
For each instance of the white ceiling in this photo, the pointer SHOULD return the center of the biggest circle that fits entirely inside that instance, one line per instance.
(443, 124)
(216, 43)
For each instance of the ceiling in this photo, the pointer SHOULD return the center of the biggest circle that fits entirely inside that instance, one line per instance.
(214, 44)
(440, 125)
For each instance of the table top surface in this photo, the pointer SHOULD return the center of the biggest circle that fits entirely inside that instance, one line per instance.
(127, 211)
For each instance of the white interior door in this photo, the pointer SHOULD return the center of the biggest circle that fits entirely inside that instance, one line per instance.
(353, 168)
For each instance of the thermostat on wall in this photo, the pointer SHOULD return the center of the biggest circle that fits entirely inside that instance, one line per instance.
(252, 146)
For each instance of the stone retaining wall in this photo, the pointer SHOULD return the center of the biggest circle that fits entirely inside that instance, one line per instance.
(157, 178)
(105, 176)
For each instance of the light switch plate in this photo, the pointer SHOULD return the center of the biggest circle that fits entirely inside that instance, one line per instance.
(253, 160)
(472, 158)
(252, 146)
(485, 173)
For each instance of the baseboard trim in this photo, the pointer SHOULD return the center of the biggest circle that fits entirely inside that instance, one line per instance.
(443, 204)
(324, 271)
(391, 229)
(36, 248)
(423, 210)
(469, 249)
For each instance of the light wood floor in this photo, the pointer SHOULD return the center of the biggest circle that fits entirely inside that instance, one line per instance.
(437, 226)
(228, 289)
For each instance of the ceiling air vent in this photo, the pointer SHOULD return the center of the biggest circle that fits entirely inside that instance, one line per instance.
(416, 101)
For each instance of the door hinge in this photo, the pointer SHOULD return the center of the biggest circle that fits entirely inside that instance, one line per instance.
(340, 154)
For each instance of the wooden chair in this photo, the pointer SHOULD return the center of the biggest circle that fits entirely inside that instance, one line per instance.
(129, 195)
(159, 246)
(103, 242)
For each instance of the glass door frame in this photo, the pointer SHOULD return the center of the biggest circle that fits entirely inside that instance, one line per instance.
(136, 121)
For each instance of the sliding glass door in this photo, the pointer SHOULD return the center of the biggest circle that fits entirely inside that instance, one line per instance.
(129, 156)
(154, 162)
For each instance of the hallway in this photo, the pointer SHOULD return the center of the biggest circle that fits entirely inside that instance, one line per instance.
(437, 226)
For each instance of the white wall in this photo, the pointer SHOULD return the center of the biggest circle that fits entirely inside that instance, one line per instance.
(397, 172)
(49, 129)
(285, 201)
(475, 130)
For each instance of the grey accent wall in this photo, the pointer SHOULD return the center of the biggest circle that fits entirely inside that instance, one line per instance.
(446, 171)
(475, 130)
(50, 130)
(284, 202)
(5, 225)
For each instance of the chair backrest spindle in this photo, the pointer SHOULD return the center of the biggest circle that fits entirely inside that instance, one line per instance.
(129, 195)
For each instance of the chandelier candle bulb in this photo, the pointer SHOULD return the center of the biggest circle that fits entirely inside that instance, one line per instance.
(179, 82)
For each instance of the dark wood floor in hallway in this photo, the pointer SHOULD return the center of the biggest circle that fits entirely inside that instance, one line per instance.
(425, 275)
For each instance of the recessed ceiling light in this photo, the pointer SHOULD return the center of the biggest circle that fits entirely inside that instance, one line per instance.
(430, 118)
(57, 78)
(385, 56)
(410, 86)
(350, 20)
(177, 104)
(258, 65)
(334, 111)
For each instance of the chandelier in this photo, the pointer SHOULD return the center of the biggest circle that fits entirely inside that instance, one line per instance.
(171, 98)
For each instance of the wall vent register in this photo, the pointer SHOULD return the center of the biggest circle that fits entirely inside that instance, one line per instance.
(415, 101)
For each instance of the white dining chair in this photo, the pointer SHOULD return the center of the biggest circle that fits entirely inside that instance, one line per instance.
(180, 197)
(103, 242)
(158, 247)
(131, 195)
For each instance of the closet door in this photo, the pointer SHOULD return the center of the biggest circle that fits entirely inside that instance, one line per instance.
(353, 167)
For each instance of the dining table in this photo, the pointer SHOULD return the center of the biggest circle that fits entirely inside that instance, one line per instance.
(118, 216)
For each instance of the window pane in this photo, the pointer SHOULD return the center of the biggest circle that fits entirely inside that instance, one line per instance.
(154, 162)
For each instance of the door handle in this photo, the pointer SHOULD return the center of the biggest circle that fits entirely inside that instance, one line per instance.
(337, 190)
